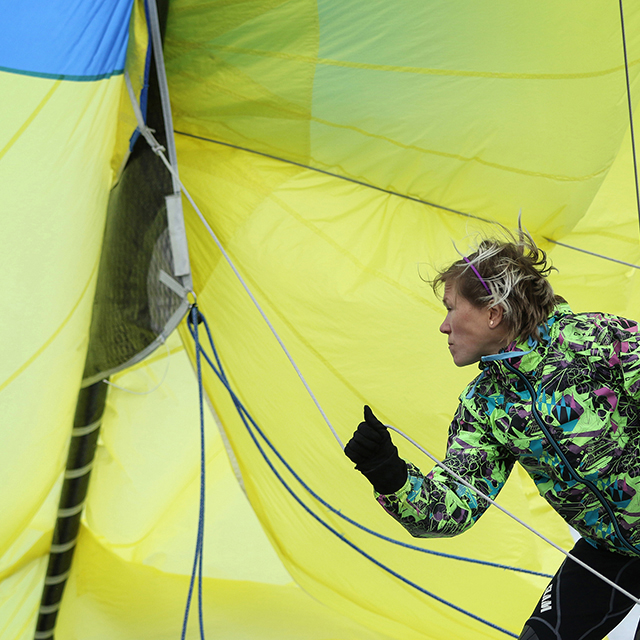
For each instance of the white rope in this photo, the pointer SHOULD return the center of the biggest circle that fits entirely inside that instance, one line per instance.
(463, 482)
(253, 299)
(158, 150)
(146, 133)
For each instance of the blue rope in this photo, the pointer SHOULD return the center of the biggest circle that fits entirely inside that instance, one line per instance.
(219, 371)
(197, 561)
(245, 416)
(202, 479)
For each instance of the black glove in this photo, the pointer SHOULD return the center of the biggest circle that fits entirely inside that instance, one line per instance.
(376, 456)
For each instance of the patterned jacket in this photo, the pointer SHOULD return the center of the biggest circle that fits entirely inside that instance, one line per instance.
(586, 375)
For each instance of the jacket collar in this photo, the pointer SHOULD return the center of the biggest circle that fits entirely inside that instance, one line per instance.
(516, 352)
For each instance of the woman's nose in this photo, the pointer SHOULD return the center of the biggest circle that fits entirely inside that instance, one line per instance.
(444, 327)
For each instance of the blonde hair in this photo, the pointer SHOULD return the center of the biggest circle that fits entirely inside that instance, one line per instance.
(515, 272)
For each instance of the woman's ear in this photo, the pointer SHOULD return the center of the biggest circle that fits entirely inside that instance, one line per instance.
(495, 317)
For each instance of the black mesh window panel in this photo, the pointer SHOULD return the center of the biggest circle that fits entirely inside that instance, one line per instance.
(132, 306)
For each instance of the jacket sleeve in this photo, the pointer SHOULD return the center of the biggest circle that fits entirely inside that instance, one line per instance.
(437, 505)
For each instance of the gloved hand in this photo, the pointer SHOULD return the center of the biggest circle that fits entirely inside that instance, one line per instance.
(376, 456)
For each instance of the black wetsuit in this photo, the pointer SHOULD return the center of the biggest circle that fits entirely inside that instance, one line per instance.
(578, 605)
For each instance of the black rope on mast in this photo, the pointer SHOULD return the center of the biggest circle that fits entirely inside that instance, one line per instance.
(633, 142)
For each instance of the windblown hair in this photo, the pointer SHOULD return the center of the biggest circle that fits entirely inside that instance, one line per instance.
(515, 270)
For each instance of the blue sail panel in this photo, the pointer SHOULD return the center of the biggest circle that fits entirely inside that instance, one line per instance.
(77, 40)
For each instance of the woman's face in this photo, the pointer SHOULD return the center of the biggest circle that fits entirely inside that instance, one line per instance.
(471, 332)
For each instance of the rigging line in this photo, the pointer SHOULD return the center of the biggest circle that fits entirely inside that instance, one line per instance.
(250, 294)
(633, 143)
(393, 193)
(220, 373)
(343, 537)
(336, 175)
(197, 561)
(591, 253)
(203, 465)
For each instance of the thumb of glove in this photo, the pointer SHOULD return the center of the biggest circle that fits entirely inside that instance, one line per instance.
(386, 471)
(371, 420)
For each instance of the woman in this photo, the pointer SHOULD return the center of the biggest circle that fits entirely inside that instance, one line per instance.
(559, 393)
